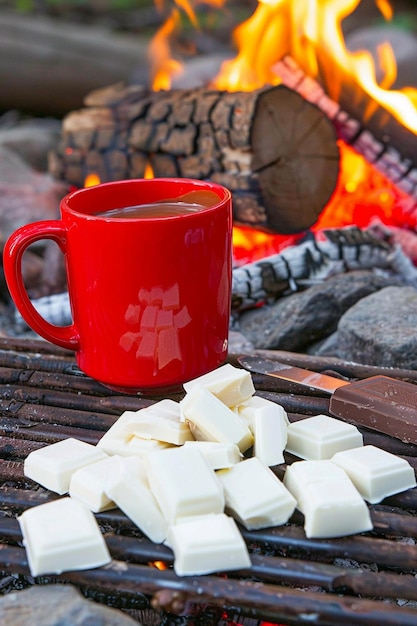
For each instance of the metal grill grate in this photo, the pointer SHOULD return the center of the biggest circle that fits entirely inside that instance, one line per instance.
(366, 579)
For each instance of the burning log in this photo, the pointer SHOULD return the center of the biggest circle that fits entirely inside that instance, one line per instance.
(384, 143)
(274, 150)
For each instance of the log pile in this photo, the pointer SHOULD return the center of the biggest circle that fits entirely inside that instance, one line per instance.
(270, 146)
(274, 150)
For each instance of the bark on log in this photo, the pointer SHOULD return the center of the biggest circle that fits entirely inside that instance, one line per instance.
(47, 67)
(275, 151)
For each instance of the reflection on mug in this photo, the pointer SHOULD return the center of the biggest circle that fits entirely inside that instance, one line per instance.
(157, 318)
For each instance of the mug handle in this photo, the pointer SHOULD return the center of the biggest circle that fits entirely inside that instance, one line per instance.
(64, 336)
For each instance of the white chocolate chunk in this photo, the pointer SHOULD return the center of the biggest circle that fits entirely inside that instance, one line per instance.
(217, 455)
(268, 422)
(207, 544)
(120, 440)
(141, 447)
(214, 421)
(376, 473)
(165, 408)
(331, 504)
(117, 436)
(320, 437)
(231, 385)
(60, 536)
(300, 474)
(53, 465)
(255, 496)
(88, 484)
(128, 487)
(247, 409)
(161, 421)
(183, 484)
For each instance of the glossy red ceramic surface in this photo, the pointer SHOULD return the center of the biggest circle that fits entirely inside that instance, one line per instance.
(150, 297)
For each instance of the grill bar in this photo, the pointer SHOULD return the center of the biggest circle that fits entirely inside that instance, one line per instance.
(261, 601)
(294, 580)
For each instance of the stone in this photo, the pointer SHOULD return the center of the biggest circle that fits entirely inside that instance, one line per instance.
(296, 321)
(381, 329)
(57, 605)
(30, 139)
(25, 195)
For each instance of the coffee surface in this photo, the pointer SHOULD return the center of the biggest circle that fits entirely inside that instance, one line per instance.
(188, 203)
(157, 209)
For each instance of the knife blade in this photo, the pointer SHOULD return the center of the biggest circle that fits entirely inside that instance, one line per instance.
(306, 378)
(381, 403)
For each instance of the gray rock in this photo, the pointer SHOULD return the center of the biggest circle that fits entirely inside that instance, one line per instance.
(297, 321)
(238, 343)
(25, 195)
(57, 605)
(381, 329)
(329, 346)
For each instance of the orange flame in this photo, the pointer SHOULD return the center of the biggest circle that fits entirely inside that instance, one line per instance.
(162, 66)
(149, 173)
(311, 30)
(91, 180)
(158, 565)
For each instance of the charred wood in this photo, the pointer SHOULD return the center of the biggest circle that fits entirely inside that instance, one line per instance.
(261, 601)
(297, 266)
(381, 140)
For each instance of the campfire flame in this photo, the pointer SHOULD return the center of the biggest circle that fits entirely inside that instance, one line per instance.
(91, 180)
(307, 30)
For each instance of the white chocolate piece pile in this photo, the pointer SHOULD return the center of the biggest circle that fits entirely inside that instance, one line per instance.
(60, 536)
(202, 544)
(255, 496)
(331, 504)
(185, 472)
(320, 437)
(53, 465)
(376, 473)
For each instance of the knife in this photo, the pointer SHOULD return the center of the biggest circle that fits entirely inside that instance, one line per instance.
(380, 403)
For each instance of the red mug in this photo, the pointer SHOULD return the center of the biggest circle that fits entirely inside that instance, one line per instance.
(150, 296)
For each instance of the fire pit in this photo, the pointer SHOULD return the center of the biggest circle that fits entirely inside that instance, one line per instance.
(366, 579)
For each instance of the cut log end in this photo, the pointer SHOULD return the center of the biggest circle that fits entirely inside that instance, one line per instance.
(296, 158)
